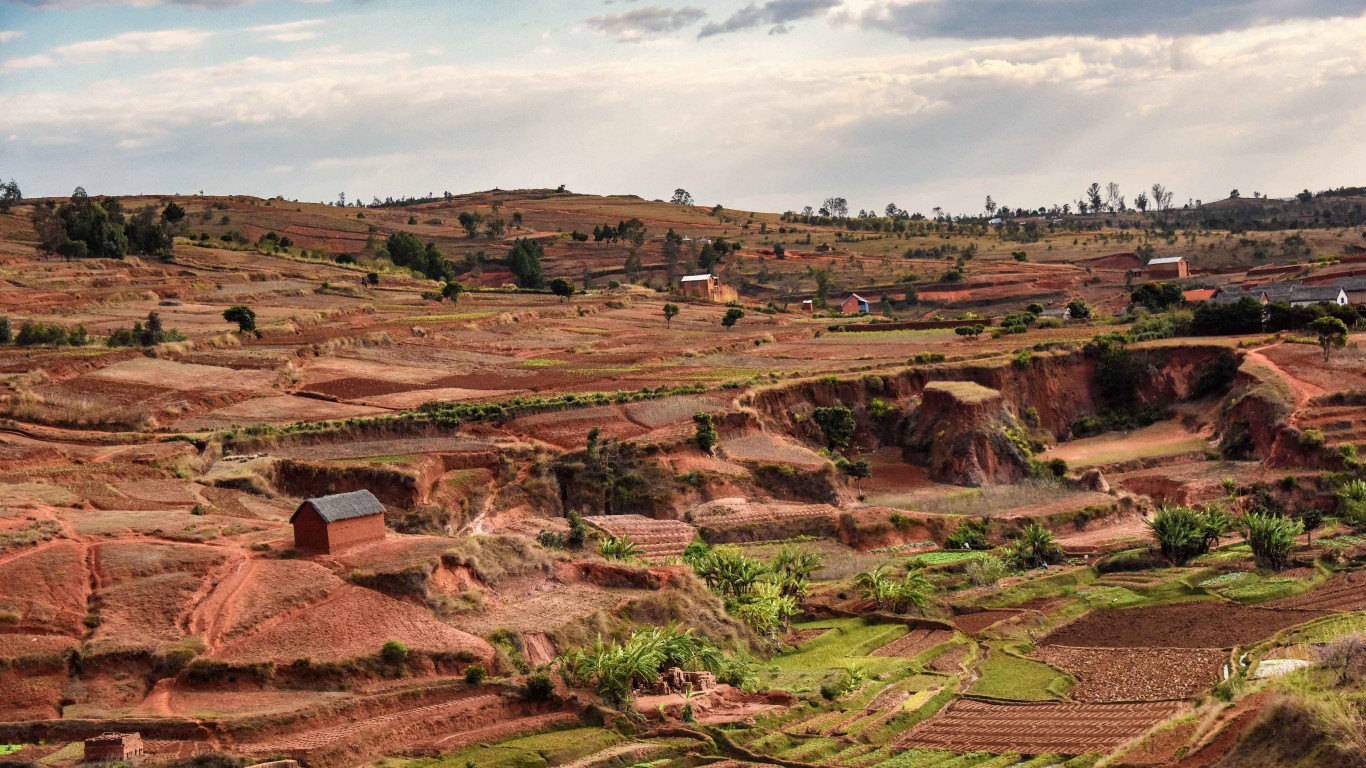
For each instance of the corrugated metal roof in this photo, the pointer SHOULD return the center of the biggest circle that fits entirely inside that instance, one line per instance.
(693, 278)
(1166, 260)
(343, 506)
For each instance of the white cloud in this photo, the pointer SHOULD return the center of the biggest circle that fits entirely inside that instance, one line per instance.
(641, 23)
(290, 31)
(7, 35)
(160, 41)
(26, 62)
(1030, 122)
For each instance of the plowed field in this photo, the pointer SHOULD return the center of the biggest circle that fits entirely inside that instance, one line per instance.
(1204, 624)
(1069, 729)
(1138, 674)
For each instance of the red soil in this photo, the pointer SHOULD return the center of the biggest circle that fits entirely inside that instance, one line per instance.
(914, 642)
(1070, 729)
(352, 622)
(973, 623)
(1140, 674)
(1343, 593)
(1203, 624)
(656, 539)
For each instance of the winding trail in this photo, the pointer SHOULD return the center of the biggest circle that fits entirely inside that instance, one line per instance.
(1304, 391)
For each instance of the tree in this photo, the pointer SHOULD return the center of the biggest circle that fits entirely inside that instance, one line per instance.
(1332, 332)
(670, 312)
(989, 206)
(1114, 201)
(9, 195)
(173, 212)
(732, 317)
(6, 331)
(470, 223)
(372, 278)
(1141, 202)
(1035, 547)
(1310, 519)
(860, 470)
(837, 422)
(1079, 309)
(681, 197)
(562, 287)
(779, 251)
(836, 207)
(705, 436)
(474, 674)
(452, 291)
(1179, 533)
(525, 262)
(1093, 197)
(1162, 199)
(243, 316)
(1233, 194)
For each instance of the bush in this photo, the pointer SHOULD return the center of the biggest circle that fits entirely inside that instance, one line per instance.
(394, 652)
(539, 687)
(986, 570)
(705, 435)
(243, 316)
(475, 673)
(971, 534)
(1271, 537)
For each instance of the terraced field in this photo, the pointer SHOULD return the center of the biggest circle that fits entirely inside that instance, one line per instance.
(967, 725)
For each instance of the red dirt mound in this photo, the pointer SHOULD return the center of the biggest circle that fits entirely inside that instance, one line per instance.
(353, 622)
(1203, 624)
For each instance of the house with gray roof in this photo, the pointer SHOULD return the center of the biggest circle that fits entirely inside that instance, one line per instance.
(328, 524)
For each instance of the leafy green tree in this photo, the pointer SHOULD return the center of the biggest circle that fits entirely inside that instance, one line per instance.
(837, 422)
(732, 317)
(1079, 308)
(372, 278)
(525, 262)
(6, 331)
(452, 291)
(9, 195)
(705, 435)
(474, 674)
(243, 316)
(1332, 332)
(562, 287)
(1157, 296)
(1180, 534)
(670, 312)
(860, 470)
(173, 212)
(470, 223)
(681, 197)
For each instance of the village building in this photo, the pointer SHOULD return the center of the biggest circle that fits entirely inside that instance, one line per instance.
(807, 305)
(855, 304)
(698, 286)
(1198, 295)
(1304, 295)
(1168, 268)
(1355, 288)
(824, 248)
(1061, 313)
(328, 524)
(113, 748)
(1232, 294)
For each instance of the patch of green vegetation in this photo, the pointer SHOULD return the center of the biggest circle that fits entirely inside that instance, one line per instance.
(9, 749)
(463, 478)
(1007, 676)
(538, 751)
(1327, 629)
(1257, 589)
(1042, 585)
(540, 362)
(828, 657)
(942, 558)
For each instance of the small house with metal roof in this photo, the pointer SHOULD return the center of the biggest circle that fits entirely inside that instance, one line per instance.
(328, 524)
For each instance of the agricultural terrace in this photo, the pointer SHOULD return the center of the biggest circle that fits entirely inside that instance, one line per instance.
(623, 526)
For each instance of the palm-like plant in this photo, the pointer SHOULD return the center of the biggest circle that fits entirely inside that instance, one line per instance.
(1179, 533)
(1271, 538)
(1036, 546)
(613, 548)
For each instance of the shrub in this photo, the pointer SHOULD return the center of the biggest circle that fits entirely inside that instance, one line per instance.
(243, 316)
(539, 687)
(837, 422)
(971, 534)
(985, 570)
(394, 652)
(1271, 538)
(475, 673)
(705, 436)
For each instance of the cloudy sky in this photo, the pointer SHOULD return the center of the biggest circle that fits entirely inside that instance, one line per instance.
(770, 104)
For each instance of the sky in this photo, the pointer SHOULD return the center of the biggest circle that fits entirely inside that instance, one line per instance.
(765, 105)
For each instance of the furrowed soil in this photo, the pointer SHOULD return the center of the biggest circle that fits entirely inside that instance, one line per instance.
(1202, 624)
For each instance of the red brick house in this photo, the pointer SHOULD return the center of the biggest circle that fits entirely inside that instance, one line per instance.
(329, 524)
(698, 286)
(1169, 268)
(855, 304)
(113, 748)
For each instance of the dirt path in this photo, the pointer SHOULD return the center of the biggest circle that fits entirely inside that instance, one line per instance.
(158, 702)
(1304, 390)
(214, 615)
